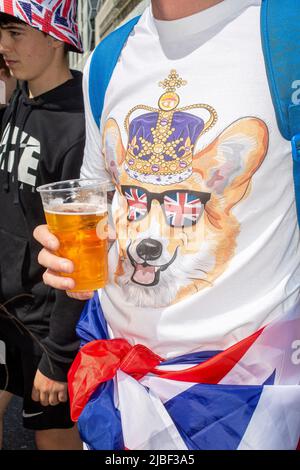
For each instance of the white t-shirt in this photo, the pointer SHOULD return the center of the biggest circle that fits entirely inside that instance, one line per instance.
(188, 134)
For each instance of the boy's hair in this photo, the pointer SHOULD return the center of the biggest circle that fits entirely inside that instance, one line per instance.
(6, 19)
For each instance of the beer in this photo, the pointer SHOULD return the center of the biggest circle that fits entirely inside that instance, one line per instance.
(76, 226)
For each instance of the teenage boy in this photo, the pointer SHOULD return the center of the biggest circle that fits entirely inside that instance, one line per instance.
(43, 136)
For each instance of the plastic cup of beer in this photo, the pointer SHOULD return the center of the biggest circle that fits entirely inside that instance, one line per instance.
(76, 213)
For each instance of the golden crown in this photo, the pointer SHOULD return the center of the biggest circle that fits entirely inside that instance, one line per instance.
(160, 149)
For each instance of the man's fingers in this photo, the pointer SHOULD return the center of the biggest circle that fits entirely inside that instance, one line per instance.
(48, 391)
(54, 398)
(53, 279)
(43, 235)
(62, 396)
(80, 295)
(44, 398)
(35, 394)
(54, 262)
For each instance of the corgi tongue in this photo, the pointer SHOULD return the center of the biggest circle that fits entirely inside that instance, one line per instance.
(144, 274)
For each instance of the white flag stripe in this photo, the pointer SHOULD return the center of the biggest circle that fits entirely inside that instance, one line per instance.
(275, 424)
(156, 431)
(165, 389)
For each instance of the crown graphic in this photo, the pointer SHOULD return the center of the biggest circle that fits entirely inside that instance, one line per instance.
(162, 141)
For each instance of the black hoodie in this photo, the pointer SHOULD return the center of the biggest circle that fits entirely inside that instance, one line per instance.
(42, 142)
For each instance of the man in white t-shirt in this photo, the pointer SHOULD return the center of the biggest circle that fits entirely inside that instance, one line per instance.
(207, 252)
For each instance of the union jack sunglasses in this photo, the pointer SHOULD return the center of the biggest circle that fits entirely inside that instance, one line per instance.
(181, 208)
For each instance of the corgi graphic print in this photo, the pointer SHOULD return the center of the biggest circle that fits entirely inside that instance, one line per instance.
(175, 226)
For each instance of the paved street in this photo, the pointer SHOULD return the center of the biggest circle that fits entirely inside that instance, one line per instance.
(15, 436)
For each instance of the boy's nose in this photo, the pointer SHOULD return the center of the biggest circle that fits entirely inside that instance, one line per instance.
(4, 42)
(3, 48)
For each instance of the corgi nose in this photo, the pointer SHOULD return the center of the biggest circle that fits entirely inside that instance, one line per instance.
(149, 249)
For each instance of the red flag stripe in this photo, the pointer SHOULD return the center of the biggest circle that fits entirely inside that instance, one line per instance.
(213, 370)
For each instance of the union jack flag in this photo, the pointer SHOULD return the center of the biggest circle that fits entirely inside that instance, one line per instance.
(54, 17)
(245, 397)
(137, 203)
(182, 209)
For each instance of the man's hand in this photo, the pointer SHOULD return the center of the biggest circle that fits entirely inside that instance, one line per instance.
(56, 265)
(47, 391)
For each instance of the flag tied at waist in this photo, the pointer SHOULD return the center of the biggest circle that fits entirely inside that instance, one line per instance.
(98, 361)
(245, 397)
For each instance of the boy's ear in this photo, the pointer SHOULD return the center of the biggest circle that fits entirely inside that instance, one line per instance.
(55, 43)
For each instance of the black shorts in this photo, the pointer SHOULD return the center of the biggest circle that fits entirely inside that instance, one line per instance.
(17, 373)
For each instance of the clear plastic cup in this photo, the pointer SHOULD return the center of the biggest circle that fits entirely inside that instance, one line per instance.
(76, 213)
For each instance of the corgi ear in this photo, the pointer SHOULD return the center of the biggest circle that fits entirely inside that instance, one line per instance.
(113, 149)
(227, 165)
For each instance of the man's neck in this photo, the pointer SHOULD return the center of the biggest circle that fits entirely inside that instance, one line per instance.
(48, 81)
(175, 9)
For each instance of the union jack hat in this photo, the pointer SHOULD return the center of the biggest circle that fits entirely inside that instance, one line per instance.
(54, 17)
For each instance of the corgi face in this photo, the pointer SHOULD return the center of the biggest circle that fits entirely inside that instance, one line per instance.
(175, 240)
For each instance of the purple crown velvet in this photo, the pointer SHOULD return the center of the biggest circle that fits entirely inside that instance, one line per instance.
(185, 125)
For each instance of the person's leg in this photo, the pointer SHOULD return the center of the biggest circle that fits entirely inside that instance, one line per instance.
(5, 398)
(58, 439)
